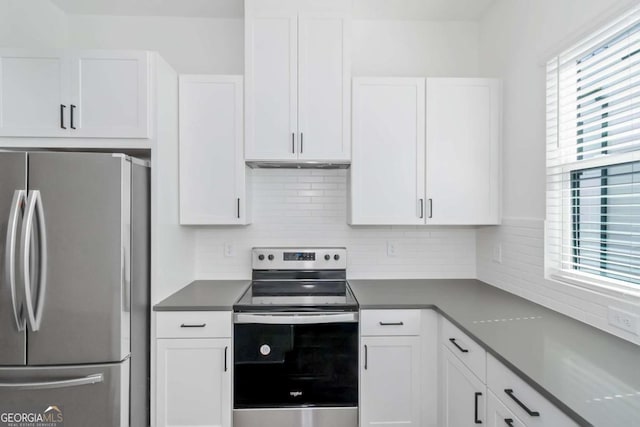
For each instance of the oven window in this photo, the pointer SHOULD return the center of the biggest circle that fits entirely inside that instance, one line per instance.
(295, 365)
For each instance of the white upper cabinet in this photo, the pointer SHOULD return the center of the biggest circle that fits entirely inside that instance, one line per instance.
(271, 113)
(109, 94)
(446, 174)
(212, 168)
(463, 151)
(297, 70)
(387, 170)
(33, 91)
(85, 94)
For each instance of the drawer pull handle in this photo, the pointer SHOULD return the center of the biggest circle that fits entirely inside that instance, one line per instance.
(477, 395)
(520, 404)
(186, 325)
(453, 341)
(509, 422)
(391, 323)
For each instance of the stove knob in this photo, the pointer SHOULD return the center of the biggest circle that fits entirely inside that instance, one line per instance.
(271, 257)
(336, 257)
(327, 257)
(261, 257)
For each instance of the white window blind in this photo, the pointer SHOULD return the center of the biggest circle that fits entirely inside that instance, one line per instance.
(593, 158)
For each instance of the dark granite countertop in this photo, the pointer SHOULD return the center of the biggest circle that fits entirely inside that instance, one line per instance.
(205, 295)
(593, 376)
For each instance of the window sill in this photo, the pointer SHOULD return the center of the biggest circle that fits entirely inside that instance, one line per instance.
(593, 284)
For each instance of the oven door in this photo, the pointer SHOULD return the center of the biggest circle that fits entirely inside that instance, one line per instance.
(289, 360)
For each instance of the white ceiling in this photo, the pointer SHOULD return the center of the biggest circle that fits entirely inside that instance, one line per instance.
(365, 9)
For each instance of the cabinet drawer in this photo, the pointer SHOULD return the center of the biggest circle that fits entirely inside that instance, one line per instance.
(499, 415)
(517, 395)
(193, 324)
(467, 350)
(390, 322)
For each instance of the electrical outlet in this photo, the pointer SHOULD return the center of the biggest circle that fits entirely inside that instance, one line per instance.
(497, 253)
(229, 250)
(392, 248)
(623, 320)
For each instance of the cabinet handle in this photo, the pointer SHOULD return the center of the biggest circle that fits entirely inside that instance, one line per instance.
(520, 404)
(238, 207)
(225, 358)
(477, 395)
(301, 142)
(453, 341)
(187, 325)
(421, 208)
(62, 107)
(509, 422)
(391, 323)
(73, 108)
(366, 356)
(293, 142)
(430, 208)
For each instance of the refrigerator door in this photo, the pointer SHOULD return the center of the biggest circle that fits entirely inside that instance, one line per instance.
(84, 312)
(13, 186)
(70, 396)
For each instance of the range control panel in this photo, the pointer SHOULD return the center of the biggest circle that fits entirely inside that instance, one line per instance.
(299, 258)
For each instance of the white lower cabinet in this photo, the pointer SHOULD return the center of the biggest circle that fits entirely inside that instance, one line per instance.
(499, 415)
(193, 375)
(463, 394)
(521, 399)
(390, 381)
(391, 368)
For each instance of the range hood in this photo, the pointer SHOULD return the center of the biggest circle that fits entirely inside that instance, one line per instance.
(259, 164)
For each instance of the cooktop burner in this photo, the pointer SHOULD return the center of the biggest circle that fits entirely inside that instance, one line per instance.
(298, 279)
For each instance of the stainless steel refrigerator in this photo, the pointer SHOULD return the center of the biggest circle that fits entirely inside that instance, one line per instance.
(74, 289)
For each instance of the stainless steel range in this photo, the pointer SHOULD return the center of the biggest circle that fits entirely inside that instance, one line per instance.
(296, 341)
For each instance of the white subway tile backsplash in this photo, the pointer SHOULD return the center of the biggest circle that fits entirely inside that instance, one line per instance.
(522, 273)
(294, 207)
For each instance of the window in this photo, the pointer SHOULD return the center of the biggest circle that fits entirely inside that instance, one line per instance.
(593, 159)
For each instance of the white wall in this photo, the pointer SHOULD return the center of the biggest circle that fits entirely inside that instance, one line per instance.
(308, 207)
(216, 46)
(32, 24)
(517, 37)
(190, 45)
(415, 48)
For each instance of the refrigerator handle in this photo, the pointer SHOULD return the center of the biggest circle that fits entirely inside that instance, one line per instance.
(34, 203)
(40, 385)
(10, 255)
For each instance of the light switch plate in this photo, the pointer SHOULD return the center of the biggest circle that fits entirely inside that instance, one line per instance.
(229, 250)
(392, 248)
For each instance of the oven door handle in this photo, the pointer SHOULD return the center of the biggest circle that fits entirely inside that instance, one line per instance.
(295, 319)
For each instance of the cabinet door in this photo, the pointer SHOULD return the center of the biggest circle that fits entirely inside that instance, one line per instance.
(390, 375)
(499, 415)
(463, 151)
(212, 168)
(109, 94)
(33, 90)
(463, 394)
(271, 85)
(194, 382)
(387, 170)
(324, 94)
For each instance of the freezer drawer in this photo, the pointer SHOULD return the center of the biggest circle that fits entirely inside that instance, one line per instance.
(89, 395)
